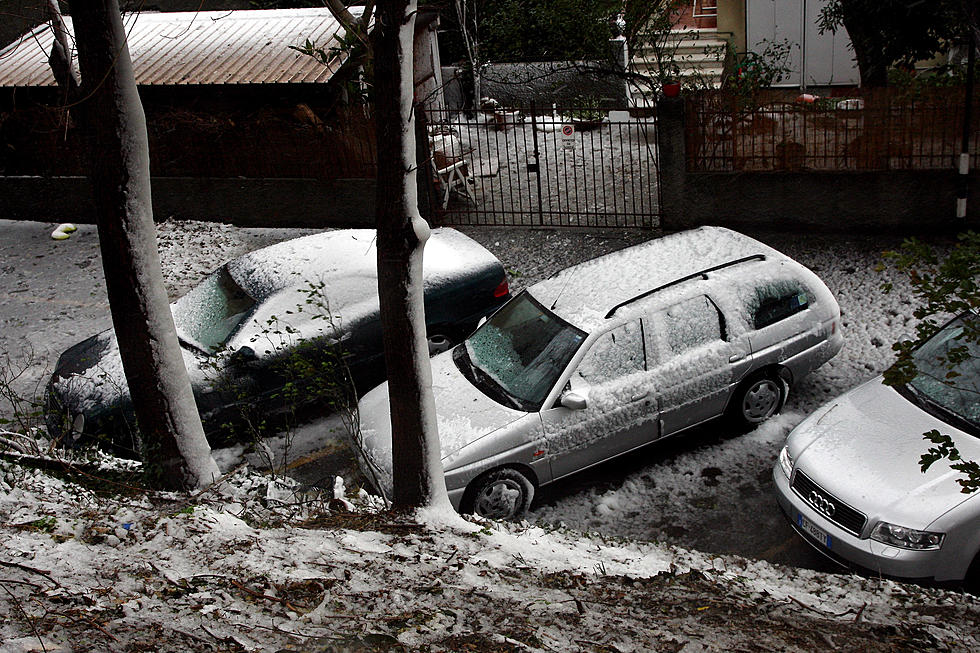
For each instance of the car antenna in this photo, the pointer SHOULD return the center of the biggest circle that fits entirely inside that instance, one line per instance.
(560, 293)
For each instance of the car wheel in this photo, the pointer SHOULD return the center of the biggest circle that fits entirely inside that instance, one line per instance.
(504, 494)
(758, 399)
(971, 582)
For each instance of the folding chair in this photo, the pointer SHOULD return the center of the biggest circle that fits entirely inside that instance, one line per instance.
(452, 174)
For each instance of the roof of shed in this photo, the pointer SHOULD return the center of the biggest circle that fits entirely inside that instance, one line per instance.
(203, 47)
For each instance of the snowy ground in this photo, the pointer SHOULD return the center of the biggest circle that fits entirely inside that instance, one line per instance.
(89, 566)
(260, 569)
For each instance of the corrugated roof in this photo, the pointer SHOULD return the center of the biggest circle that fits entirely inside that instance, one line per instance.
(204, 47)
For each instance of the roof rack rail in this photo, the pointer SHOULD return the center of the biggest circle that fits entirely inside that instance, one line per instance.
(702, 273)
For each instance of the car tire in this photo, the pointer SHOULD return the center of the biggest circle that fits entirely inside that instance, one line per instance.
(503, 494)
(439, 342)
(971, 582)
(757, 399)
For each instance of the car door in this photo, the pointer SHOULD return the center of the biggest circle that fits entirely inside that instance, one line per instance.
(700, 363)
(620, 411)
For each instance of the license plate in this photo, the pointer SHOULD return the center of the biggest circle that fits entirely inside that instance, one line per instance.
(813, 530)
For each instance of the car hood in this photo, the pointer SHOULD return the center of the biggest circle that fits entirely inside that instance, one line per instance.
(864, 447)
(463, 413)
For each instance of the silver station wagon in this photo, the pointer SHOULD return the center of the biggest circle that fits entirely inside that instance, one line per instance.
(611, 355)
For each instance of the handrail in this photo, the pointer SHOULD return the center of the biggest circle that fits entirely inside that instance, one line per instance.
(702, 273)
(706, 12)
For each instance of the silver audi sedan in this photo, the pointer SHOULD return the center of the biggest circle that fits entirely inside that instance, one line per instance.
(850, 481)
(611, 355)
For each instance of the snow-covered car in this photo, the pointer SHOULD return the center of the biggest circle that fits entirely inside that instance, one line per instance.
(612, 354)
(242, 328)
(849, 477)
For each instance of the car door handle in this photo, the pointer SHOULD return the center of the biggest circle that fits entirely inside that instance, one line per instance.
(734, 358)
(639, 396)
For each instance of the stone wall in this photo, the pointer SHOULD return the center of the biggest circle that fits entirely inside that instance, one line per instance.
(568, 83)
(243, 202)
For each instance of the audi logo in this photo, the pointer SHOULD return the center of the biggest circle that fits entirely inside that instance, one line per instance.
(822, 504)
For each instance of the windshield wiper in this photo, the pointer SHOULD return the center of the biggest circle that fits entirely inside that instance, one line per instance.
(934, 408)
(189, 343)
(914, 395)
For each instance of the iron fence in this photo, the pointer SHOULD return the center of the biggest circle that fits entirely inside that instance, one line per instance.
(884, 129)
(554, 167)
(525, 166)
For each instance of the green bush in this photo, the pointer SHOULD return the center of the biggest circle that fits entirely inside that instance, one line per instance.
(545, 30)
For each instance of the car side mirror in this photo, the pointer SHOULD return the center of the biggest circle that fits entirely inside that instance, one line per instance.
(573, 401)
(481, 322)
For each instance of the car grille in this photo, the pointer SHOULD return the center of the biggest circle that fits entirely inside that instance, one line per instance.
(843, 515)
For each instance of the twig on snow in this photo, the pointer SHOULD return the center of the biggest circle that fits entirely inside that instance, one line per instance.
(277, 629)
(825, 612)
(20, 582)
(275, 599)
(27, 617)
(165, 576)
(503, 639)
(190, 635)
(40, 572)
(227, 639)
(860, 613)
(18, 442)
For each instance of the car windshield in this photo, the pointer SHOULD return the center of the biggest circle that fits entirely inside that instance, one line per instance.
(211, 311)
(948, 367)
(520, 352)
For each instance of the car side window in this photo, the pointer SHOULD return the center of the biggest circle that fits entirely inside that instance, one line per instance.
(614, 355)
(777, 301)
(692, 323)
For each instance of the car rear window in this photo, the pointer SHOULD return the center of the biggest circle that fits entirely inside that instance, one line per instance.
(778, 301)
(211, 311)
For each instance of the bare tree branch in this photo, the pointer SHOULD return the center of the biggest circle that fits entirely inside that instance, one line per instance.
(60, 57)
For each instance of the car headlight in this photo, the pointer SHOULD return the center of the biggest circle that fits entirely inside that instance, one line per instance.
(906, 538)
(786, 462)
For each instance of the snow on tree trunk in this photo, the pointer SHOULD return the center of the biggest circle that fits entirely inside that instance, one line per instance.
(175, 448)
(417, 470)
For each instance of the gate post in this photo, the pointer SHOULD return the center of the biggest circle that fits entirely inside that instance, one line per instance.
(671, 142)
(537, 160)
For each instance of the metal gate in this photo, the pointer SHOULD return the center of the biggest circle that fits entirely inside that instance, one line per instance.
(559, 167)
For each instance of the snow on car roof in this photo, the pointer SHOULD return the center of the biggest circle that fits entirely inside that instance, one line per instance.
(349, 255)
(584, 293)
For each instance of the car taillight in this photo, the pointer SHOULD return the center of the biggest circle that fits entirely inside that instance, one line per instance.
(502, 289)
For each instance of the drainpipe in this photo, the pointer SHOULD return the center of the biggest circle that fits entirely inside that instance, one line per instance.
(967, 119)
(803, 47)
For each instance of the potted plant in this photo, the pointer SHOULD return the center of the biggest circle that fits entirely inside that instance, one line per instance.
(649, 30)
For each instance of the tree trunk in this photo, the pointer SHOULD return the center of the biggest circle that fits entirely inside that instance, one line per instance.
(417, 470)
(866, 43)
(176, 453)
